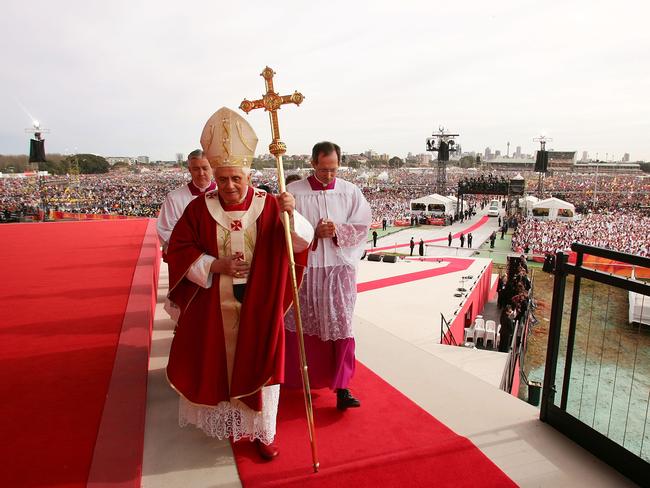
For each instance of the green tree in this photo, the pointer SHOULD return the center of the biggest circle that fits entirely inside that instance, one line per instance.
(395, 162)
(89, 163)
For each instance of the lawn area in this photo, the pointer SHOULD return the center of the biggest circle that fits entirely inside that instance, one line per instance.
(383, 233)
(502, 248)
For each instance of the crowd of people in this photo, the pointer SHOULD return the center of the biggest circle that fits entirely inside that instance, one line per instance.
(620, 230)
(388, 191)
(611, 191)
(113, 193)
(513, 292)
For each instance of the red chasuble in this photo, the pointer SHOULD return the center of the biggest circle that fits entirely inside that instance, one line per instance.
(197, 360)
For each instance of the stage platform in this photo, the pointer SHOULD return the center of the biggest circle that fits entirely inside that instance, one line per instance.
(453, 384)
(78, 300)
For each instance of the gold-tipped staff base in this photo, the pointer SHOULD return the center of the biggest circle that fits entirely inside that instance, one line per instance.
(271, 103)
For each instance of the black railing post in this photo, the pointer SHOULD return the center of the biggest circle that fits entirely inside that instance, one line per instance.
(555, 329)
(575, 302)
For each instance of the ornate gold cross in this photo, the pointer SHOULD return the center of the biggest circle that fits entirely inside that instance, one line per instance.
(271, 102)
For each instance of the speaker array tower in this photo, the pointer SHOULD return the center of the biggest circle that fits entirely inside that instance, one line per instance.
(541, 164)
(443, 143)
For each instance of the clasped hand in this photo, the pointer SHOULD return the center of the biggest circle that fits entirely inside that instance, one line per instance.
(325, 228)
(231, 266)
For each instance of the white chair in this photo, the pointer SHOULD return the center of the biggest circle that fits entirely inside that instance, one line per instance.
(468, 335)
(479, 330)
(490, 332)
(498, 338)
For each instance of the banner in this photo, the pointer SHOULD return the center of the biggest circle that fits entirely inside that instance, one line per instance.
(436, 221)
(55, 215)
(605, 265)
(402, 223)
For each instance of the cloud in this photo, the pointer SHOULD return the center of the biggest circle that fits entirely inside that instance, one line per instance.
(134, 78)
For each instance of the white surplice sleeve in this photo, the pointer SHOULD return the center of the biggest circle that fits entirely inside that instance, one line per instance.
(353, 234)
(166, 222)
(199, 272)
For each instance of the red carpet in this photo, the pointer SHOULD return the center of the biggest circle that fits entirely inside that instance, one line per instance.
(471, 228)
(388, 442)
(64, 292)
(453, 265)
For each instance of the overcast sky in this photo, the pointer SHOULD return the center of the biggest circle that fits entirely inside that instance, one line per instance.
(128, 78)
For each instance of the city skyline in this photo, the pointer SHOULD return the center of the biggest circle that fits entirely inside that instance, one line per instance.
(122, 78)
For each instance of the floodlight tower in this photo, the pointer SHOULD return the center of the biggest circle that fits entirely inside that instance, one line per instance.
(443, 143)
(37, 155)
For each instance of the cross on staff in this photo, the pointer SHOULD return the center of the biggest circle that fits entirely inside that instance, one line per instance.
(271, 103)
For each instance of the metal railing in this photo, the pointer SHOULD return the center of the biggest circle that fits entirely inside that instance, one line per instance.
(597, 377)
(511, 362)
(445, 328)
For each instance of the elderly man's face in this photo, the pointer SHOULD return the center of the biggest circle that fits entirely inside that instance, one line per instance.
(201, 172)
(232, 184)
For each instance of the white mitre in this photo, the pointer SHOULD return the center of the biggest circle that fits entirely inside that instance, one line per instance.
(228, 140)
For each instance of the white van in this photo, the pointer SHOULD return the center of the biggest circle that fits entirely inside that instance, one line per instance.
(493, 211)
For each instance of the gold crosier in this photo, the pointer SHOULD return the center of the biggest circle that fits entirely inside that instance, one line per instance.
(271, 102)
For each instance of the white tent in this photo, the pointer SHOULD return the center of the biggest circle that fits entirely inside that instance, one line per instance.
(432, 205)
(553, 209)
(639, 311)
(454, 201)
(527, 204)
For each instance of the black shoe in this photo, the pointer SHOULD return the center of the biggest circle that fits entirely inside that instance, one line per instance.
(345, 400)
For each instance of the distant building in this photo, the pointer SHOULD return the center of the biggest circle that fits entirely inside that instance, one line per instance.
(518, 152)
(143, 159)
(120, 159)
(423, 159)
(626, 157)
(497, 154)
(488, 154)
(585, 156)
(512, 164)
(180, 159)
(603, 167)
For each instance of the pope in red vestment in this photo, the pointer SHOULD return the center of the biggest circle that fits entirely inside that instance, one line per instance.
(229, 275)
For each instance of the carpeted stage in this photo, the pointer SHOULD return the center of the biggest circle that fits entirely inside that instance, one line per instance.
(77, 309)
(78, 301)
